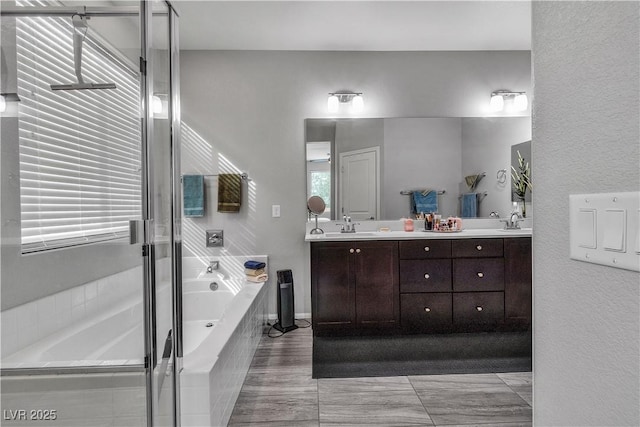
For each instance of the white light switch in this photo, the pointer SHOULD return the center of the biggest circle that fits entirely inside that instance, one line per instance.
(615, 224)
(604, 229)
(275, 211)
(586, 228)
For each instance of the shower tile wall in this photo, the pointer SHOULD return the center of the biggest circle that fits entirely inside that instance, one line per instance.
(91, 400)
(28, 323)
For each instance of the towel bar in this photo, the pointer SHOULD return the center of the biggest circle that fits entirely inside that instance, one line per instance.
(244, 176)
(408, 193)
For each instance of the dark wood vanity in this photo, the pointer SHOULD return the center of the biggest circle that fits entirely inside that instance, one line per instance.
(421, 286)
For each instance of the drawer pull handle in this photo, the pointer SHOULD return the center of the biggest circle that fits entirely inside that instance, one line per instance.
(427, 249)
(479, 247)
(427, 309)
(481, 275)
(426, 276)
(351, 250)
(479, 308)
(357, 251)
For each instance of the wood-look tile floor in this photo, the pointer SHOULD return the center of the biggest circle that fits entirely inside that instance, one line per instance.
(279, 391)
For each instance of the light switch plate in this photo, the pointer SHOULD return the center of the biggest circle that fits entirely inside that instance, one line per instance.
(604, 229)
(275, 211)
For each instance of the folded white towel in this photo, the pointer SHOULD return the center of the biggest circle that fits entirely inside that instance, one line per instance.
(258, 279)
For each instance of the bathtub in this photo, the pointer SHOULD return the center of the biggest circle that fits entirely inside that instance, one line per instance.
(221, 330)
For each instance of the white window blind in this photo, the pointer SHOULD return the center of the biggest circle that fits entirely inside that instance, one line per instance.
(79, 150)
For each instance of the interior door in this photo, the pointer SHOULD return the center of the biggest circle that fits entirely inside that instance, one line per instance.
(360, 183)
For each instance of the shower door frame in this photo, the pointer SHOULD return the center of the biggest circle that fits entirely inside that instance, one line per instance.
(145, 14)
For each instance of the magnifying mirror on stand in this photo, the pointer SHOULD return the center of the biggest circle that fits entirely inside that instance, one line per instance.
(316, 206)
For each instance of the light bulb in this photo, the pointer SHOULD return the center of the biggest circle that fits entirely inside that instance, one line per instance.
(3, 104)
(357, 104)
(520, 102)
(333, 103)
(156, 105)
(496, 104)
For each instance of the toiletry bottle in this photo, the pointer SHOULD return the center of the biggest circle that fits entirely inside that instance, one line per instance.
(428, 222)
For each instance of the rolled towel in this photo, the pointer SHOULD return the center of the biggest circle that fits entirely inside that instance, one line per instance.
(258, 279)
(254, 265)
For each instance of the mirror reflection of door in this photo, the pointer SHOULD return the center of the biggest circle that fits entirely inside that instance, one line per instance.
(359, 189)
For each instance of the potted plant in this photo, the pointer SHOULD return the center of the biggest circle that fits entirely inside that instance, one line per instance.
(521, 178)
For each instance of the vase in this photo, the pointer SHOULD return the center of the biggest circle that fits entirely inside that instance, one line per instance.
(523, 208)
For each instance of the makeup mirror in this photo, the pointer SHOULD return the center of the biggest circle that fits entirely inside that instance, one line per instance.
(316, 206)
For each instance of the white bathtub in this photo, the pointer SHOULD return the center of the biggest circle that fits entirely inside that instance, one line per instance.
(216, 358)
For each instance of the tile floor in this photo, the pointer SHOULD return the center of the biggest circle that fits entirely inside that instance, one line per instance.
(279, 391)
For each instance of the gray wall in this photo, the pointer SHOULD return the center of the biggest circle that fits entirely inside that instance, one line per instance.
(486, 147)
(421, 153)
(585, 140)
(250, 106)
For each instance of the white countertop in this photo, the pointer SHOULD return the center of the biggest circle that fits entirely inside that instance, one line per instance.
(476, 233)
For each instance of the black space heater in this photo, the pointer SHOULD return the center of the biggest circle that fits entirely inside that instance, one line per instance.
(286, 311)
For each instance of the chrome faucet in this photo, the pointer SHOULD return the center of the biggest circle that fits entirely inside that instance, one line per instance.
(347, 226)
(513, 223)
(213, 265)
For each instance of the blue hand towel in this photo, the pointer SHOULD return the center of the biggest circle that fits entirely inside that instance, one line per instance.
(254, 265)
(469, 205)
(193, 195)
(424, 201)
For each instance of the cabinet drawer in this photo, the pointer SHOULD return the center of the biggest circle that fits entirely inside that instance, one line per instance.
(425, 249)
(430, 275)
(425, 312)
(478, 274)
(474, 248)
(478, 308)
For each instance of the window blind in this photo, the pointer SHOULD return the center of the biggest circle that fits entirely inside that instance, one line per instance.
(80, 153)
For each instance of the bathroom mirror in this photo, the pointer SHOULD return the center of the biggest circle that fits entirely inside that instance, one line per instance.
(316, 206)
(368, 167)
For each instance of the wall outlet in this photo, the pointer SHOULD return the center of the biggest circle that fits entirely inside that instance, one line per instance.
(275, 211)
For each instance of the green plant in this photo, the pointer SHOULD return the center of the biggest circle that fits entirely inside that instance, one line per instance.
(521, 178)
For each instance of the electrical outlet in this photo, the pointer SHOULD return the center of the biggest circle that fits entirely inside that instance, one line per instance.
(275, 211)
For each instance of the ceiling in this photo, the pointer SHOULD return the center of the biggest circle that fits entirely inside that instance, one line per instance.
(355, 25)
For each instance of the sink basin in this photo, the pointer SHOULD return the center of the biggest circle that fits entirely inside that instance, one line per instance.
(517, 230)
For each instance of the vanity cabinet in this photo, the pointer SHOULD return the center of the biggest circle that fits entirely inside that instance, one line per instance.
(354, 286)
(421, 286)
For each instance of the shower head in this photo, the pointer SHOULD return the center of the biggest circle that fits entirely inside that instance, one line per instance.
(80, 28)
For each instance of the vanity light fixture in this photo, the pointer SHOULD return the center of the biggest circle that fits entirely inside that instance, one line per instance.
(518, 100)
(337, 98)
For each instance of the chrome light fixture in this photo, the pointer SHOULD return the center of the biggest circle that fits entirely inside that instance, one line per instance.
(518, 100)
(336, 99)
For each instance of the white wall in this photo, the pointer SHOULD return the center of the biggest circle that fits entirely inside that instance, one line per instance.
(250, 107)
(585, 140)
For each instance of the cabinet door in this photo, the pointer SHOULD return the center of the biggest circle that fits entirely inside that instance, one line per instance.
(332, 285)
(377, 284)
(517, 287)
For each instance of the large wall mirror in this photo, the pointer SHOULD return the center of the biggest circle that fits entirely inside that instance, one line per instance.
(369, 168)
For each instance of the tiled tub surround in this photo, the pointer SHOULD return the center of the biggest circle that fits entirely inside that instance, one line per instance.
(96, 324)
(217, 358)
(61, 329)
